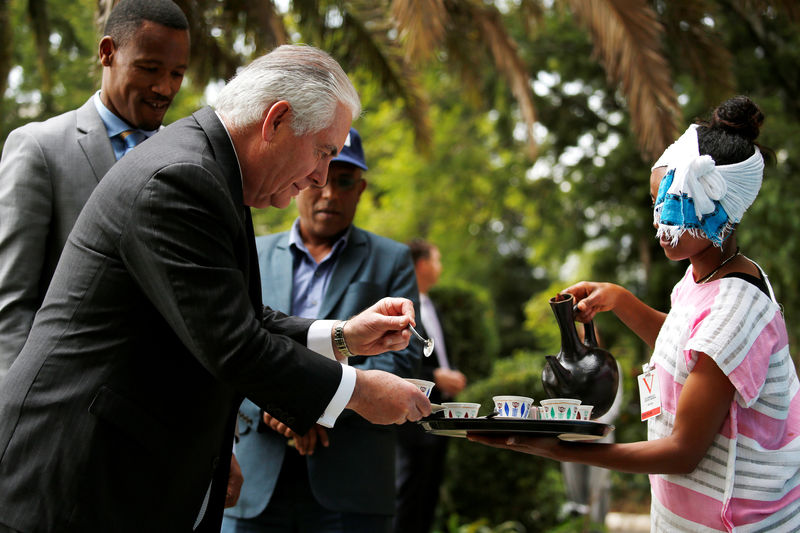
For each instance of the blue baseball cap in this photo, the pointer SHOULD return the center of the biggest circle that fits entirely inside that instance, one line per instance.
(352, 152)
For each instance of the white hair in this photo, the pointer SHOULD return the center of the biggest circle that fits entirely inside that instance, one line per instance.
(309, 79)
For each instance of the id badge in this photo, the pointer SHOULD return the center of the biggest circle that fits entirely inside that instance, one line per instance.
(649, 392)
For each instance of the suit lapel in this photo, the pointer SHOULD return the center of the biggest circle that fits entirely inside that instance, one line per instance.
(229, 164)
(279, 268)
(348, 265)
(224, 153)
(93, 140)
(253, 275)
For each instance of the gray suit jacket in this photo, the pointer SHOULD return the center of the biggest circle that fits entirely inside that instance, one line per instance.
(47, 172)
(356, 473)
(154, 307)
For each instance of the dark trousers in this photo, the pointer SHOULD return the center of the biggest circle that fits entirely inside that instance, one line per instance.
(420, 470)
(294, 509)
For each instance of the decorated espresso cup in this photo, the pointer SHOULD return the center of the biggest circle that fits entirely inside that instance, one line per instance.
(584, 412)
(561, 408)
(425, 386)
(513, 406)
(461, 410)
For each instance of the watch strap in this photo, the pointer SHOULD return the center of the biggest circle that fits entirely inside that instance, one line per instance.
(338, 340)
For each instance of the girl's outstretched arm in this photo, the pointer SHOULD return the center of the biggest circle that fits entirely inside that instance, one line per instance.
(702, 408)
(593, 297)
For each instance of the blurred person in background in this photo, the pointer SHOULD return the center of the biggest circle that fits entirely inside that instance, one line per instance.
(421, 456)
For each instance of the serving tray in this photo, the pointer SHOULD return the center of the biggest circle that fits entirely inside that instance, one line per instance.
(570, 430)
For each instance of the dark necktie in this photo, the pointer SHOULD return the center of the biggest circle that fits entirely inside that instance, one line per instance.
(254, 277)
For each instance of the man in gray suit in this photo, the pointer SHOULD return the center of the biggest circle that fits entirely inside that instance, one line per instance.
(118, 414)
(49, 169)
(325, 267)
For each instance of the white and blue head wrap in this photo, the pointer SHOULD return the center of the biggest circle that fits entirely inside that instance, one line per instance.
(701, 197)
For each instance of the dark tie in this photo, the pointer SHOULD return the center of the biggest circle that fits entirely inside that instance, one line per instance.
(254, 277)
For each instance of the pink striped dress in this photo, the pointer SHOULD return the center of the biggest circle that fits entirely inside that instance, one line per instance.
(749, 479)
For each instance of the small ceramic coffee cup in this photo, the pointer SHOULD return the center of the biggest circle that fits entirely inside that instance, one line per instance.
(512, 406)
(461, 409)
(425, 386)
(584, 412)
(561, 408)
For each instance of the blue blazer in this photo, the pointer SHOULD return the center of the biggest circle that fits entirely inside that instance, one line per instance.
(356, 473)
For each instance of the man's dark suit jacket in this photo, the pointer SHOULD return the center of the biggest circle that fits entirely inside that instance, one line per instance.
(120, 408)
(355, 474)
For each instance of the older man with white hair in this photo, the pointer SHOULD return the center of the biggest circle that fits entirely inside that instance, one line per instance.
(118, 414)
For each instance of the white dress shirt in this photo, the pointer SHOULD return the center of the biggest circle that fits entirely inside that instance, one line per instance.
(430, 321)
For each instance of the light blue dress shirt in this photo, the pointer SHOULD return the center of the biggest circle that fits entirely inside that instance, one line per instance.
(115, 126)
(311, 279)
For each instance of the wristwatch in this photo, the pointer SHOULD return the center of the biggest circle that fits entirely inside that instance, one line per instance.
(338, 339)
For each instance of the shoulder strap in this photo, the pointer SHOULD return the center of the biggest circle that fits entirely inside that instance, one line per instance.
(766, 282)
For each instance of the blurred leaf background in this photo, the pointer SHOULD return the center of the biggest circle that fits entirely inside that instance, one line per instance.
(517, 135)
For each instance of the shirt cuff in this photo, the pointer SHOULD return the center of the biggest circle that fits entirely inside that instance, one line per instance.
(319, 340)
(340, 399)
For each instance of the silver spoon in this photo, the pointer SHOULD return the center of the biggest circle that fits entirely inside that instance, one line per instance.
(427, 349)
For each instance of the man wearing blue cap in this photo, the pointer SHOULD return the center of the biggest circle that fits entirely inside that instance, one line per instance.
(330, 480)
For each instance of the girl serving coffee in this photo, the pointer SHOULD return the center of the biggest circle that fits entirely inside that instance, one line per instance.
(723, 446)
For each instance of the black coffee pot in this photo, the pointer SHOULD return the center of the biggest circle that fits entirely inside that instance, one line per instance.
(581, 370)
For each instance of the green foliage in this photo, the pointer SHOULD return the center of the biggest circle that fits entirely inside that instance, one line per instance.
(466, 197)
(75, 73)
(517, 229)
(468, 323)
(478, 481)
(482, 526)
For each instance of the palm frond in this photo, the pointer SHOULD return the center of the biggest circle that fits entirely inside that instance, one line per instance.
(790, 8)
(364, 38)
(532, 13)
(311, 16)
(488, 22)
(211, 29)
(627, 39)
(265, 24)
(462, 58)
(365, 41)
(420, 24)
(699, 48)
